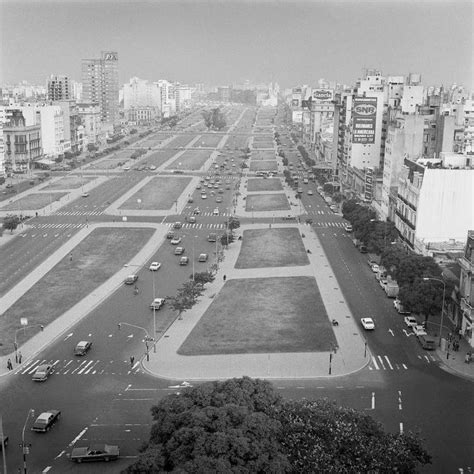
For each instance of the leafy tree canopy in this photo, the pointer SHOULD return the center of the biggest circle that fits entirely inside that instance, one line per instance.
(244, 425)
(11, 222)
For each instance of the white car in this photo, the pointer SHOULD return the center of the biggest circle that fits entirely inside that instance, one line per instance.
(215, 212)
(419, 330)
(400, 308)
(368, 323)
(84, 195)
(154, 266)
(175, 240)
(375, 268)
(410, 321)
(310, 193)
(157, 303)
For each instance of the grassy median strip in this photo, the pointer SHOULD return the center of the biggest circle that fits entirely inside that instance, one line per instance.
(33, 201)
(159, 193)
(281, 247)
(267, 202)
(94, 260)
(271, 184)
(260, 315)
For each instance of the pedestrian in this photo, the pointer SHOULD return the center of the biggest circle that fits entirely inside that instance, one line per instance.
(132, 361)
(19, 357)
(224, 277)
(16, 357)
(467, 359)
(9, 365)
(70, 257)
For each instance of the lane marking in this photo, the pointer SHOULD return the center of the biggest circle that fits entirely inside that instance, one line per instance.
(78, 437)
(388, 362)
(373, 401)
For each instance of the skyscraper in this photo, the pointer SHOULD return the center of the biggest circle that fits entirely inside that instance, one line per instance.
(101, 85)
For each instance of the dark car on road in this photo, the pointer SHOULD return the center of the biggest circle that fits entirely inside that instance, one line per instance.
(43, 372)
(102, 452)
(82, 347)
(131, 279)
(46, 420)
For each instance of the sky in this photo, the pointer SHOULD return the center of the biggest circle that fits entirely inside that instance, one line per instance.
(221, 42)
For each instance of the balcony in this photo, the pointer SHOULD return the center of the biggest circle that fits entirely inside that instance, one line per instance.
(467, 308)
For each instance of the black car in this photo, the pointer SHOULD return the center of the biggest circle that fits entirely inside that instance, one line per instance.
(103, 452)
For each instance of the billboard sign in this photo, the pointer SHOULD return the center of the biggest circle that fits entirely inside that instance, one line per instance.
(364, 113)
(110, 56)
(322, 94)
(369, 184)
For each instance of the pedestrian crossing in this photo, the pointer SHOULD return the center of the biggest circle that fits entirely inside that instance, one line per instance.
(383, 362)
(83, 212)
(67, 225)
(81, 367)
(329, 224)
(199, 226)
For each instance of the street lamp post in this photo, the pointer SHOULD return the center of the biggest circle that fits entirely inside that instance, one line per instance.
(26, 449)
(147, 336)
(442, 305)
(154, 313)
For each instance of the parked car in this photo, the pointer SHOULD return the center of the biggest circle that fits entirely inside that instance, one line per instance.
(175, 240)
(157, 303)
(427, 342)
(203, 257)
(400, 308)
(184, 260)
(45, 421)
(154, 266)
(419, 330)
(131, 279)
(103, 452)
(410, 321)
(368, 323)
(42, 372)
(82, 348)
(179, 250)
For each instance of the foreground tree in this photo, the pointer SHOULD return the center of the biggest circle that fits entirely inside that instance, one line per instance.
(244, 425)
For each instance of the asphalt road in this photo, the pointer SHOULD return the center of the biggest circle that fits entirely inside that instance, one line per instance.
(103, 398)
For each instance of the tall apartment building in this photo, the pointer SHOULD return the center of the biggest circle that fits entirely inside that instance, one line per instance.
(90, 116)
(141, 93)
(100, 84)
(59, 88)
(435, 205)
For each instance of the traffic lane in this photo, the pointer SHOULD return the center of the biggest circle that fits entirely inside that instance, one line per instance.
(366, 299)
(79, 402)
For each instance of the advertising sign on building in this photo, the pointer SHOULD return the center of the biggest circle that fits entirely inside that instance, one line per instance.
(364, 113)
(295, 102)
(369, 184)
(110, 56)
(322, 94)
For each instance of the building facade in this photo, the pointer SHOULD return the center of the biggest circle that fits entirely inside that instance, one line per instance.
(59, 88)
(466, 290)
(100, 85)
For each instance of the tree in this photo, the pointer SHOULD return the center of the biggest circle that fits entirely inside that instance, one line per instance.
(203, 277)
(186, 296)
(91, 147)
(227, 238)
(233, 223)
(319, 436)
(244, 425)
(11, 222)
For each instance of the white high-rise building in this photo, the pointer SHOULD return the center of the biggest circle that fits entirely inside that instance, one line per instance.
(141, 93)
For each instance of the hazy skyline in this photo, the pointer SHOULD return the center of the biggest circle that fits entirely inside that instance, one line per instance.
(218, 42)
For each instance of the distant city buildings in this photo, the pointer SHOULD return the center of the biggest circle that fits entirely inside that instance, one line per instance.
(59, 88)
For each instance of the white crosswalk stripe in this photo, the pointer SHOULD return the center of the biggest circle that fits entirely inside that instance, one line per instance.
(79, 213)
(57, 226)
(380, 362)
(80, 367)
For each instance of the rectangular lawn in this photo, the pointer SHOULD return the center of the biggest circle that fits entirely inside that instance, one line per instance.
(209, 140)
(33, 201)
(68, 182)
(271, 184)
(159, 193)
(263, 165)
(180, 140)
(190, 160)
(280, 247)
(260, 315)
(159, 157)
(95, 260)
(267, 202)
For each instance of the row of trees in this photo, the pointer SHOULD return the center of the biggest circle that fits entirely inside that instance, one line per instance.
(244, 425)
(410, 270)
(214, 119)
